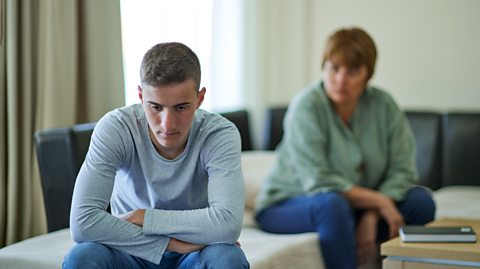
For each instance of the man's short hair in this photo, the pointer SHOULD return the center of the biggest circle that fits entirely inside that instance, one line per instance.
(167, 63)
(353, 47)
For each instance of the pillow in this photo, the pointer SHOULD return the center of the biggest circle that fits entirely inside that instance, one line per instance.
(457, 202)
(255, 165)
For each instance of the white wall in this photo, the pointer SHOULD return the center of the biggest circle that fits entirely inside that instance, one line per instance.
(429, 50)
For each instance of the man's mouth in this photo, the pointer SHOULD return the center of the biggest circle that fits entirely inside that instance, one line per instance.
(167, 134)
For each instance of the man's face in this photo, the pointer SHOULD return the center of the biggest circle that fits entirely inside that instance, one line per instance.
(344, 84)
(170, 111)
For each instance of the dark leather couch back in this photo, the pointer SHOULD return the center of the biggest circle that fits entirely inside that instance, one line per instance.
(448, 153)
(241, 119)
(60, 153)
(274, 127)
(461, 149)
(448, 145)
(426, 128)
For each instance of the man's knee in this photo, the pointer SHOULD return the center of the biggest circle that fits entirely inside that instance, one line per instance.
(223, 256)
(87, 255)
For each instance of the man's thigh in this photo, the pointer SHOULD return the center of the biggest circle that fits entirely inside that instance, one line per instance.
(98, 256)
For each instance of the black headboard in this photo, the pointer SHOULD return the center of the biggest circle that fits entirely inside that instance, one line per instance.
(60, 153)
(448, 145)
(241, 119)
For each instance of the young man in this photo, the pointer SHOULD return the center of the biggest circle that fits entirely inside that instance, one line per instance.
(171, 173)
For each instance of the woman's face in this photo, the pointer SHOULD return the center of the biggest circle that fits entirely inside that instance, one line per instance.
(344, 84)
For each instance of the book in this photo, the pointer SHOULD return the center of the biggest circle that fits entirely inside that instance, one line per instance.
(417, 233)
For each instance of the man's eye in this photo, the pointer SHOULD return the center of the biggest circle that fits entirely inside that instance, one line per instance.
(155, 107)
(181, 108)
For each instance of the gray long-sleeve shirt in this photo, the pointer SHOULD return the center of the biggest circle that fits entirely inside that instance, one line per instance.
(197, 197)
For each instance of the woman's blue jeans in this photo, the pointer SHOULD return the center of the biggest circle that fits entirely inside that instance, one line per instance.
(95, 255)
(331, 216)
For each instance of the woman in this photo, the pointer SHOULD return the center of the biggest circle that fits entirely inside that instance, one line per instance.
(346, 165)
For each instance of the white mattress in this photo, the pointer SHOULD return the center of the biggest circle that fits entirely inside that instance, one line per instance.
(263, 250)
(40, 252)
(458, 202)
(273, 251)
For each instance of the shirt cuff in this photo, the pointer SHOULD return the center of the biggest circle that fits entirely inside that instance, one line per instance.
(148, 223)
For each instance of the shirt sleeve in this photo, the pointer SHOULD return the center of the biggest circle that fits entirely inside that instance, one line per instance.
(221, 221)
(89, 219)
(306, 143)
(401, 170)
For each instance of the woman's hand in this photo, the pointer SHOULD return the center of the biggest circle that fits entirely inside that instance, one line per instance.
(369, 199)
(366, 236)
(392, 216)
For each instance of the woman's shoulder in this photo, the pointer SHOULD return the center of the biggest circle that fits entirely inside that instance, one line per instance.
(383, 103)
(310, 105)
(379, 96)
(312, 96)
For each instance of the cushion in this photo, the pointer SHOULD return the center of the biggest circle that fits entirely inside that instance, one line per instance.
(263, 250)
(40, 252)
(255, 165)
(458, 202)
(266, 250)
(280, 251)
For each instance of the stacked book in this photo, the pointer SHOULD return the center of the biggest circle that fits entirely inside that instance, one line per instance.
(414, 233)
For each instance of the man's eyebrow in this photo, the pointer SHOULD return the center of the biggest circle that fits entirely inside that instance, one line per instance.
(180, 104)
(183, 104)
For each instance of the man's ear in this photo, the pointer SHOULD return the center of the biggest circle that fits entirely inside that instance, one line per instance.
(200, 97)
(140, 93)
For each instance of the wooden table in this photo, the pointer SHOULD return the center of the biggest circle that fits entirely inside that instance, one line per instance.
(434, 255)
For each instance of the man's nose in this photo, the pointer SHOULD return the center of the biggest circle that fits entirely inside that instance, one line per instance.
(168, 120)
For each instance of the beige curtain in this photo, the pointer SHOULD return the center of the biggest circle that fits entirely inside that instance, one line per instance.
(60, 64)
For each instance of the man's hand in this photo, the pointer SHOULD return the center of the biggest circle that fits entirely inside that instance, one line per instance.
(182, 247)
(135, 216)
(366, 236)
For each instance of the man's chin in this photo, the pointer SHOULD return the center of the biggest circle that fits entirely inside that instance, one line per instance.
(166, 143)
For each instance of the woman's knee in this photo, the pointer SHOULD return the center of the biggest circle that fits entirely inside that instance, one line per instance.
(332, 206)
(422, 197)
(420, 200)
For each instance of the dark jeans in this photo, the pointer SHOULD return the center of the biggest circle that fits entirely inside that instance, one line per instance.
(95, 255)
(331, 216)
